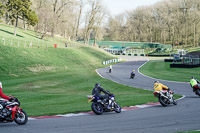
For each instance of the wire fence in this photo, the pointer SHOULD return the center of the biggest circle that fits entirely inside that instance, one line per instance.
(16, 42)
(36, 43)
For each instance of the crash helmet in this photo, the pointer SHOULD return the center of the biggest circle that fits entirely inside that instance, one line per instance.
(0, 84)
(97, 85)
(156, 81)
(192, 77)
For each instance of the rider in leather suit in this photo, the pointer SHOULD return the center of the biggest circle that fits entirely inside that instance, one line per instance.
(3, 95)
(97, 91)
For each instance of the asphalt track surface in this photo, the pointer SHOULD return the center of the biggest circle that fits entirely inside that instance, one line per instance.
(157, 119)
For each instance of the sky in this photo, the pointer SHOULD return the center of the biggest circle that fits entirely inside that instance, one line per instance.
(119, 6)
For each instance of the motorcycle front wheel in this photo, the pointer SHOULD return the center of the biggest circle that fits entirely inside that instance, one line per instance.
(163, 101)
(97, 108)
(117, 108)
(21, 118)
(174, 102)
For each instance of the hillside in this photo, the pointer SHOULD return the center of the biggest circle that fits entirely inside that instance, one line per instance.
(51, 81)
(21, 61)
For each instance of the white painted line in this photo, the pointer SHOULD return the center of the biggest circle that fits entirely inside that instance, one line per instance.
(71, 115)
(29, 118)
(183, 96)
(99, 74)
(144, 106)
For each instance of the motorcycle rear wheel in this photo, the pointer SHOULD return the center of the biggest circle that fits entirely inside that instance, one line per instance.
(163, 101)
(21, 118)
(97, 108)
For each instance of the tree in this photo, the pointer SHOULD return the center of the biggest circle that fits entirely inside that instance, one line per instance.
(59, 6)
(93, 18)
(81, 5)
(20, 9)
(2, 8)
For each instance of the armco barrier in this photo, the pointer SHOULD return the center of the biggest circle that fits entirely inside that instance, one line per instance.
(111, 61)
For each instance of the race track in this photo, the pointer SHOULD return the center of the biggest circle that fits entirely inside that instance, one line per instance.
(156, 119)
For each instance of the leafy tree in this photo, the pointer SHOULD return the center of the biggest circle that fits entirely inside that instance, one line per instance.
(1, 9)
(20, 9)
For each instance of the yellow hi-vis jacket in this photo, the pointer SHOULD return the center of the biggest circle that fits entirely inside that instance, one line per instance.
(159, 87)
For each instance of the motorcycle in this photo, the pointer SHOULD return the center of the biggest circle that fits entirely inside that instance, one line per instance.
(132, 76)
(10, 111)
(99, 106)
(165, 97)
(196, 89)
(110, 70)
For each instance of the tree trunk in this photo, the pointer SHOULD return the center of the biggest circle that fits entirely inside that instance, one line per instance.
(78, 22)
(16, 26)
(52, 30)
(194, 34)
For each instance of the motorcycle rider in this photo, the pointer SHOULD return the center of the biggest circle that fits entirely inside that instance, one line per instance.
(110, 68)
(194, 82)
(133, 73)
(3, 95)
(158, 87)
(97, 91)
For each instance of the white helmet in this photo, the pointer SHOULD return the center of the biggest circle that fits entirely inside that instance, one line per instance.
(0, 84)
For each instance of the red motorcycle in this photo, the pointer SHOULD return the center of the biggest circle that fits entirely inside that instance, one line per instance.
(10, 111)
(196, 89)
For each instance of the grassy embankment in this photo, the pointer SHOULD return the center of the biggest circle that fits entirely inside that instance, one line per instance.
(189, 132)
(162, 70)
(56, 81)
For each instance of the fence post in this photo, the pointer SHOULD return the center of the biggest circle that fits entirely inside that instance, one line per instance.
(30, 45)
(3, 41)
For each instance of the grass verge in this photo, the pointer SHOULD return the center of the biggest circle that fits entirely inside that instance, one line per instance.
(162, 70)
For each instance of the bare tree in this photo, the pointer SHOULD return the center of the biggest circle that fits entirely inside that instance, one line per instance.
(93, 18)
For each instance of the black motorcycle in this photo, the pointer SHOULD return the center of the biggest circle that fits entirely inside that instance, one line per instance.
(132, 75)
(99, 106)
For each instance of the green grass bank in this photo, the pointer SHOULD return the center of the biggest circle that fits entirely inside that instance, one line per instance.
(162, 70)
(51, 81)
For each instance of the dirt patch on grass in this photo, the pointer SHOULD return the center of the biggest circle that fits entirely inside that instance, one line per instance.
(41, 68)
